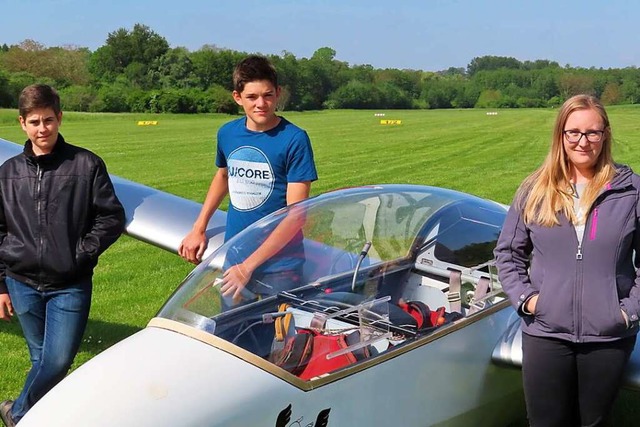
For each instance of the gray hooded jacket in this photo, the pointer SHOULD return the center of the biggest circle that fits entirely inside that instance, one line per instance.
(582, 289)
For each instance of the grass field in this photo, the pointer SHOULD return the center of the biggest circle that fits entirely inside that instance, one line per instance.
(467, 150)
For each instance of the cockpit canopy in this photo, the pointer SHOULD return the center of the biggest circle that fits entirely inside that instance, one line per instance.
(381, 262)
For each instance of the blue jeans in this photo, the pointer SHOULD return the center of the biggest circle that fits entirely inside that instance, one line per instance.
(53, 323)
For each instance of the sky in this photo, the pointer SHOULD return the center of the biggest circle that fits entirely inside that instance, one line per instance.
(429, 35)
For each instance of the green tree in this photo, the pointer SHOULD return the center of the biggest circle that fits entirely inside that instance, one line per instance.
(130, 53)
(574, 83)
(20, 80)
(489, 63)
(102, 65)
(77, 98)
(113, 97)
(408, 81)
(174, 69)
(139, 75)
(611, 94)
(489, 99)
(174, 101)
(27, 57)
(630, 91)
(356, 94)
(139, 101)
(216, 99)
(289, 80)
(6, 98)
(545, 84)
(363, 73)
(205, 66)
(319, 77)
(453, 71)
(539, 64)
(214, 66)
(63, 65)
(141, 44)
(439, 91)
(467, 95)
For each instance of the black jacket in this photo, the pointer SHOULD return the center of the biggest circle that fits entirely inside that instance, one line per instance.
(58, 213)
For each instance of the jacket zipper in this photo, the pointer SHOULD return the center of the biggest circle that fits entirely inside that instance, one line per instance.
(592, 221)
(593, 227)
(577, 291)
(39, 173)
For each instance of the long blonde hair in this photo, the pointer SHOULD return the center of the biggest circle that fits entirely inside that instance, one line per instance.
(547, 191)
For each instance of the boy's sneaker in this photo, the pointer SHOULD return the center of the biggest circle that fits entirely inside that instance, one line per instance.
(5, 413)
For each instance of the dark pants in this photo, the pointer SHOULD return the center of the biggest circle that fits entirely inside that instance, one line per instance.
(572, 384)
(53, 323)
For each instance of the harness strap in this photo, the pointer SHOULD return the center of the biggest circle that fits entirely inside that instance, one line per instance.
(482, 288)
(455, 284)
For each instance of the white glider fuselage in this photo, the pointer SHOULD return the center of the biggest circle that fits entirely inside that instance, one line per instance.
(169, 374)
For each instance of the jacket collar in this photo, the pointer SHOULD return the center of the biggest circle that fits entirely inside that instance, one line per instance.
(45, 158)
(622, 178)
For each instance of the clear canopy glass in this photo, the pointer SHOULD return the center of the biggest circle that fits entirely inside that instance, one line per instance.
(350, 275)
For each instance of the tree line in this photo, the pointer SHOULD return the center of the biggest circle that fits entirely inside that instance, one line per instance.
(137, 71)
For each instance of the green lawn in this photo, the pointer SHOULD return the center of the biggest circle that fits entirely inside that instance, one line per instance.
(467, 150)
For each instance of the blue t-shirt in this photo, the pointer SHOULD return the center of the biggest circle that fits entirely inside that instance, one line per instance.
(259, 166)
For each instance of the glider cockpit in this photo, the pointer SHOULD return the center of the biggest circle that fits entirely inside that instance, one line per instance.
(380, 270)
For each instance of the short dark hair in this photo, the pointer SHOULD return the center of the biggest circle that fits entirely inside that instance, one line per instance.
(251, 69)
(38, 96)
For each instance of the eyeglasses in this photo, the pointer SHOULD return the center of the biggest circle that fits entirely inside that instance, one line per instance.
(574, 136)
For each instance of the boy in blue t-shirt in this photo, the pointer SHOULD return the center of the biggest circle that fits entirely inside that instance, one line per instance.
(264, 163)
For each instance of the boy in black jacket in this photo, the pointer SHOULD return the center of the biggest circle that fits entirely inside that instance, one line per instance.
(58, 213)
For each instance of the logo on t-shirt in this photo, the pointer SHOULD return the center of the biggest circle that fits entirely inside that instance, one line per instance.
(251, 178)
